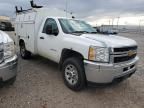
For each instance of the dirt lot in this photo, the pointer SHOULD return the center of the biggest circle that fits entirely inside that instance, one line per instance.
(39, 85)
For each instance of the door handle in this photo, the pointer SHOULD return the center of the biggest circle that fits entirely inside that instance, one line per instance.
(41, 37)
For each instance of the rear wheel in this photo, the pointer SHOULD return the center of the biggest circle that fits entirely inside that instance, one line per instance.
(23, 52)
(73, 73)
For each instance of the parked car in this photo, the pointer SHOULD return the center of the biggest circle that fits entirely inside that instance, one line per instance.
(84, 56)
(2, 26)
(6, 26)
(8, 59)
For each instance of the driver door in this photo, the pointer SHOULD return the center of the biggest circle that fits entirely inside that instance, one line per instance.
(48, 40)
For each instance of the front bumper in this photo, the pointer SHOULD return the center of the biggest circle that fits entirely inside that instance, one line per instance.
(106, 73)
(8, 69)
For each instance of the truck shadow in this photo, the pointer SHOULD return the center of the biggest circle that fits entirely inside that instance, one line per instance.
(39, 61)
(51, 68)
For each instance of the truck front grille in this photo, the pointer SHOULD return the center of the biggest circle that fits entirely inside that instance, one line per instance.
(123, 58)
(1, 54)
(124, 54)
(124, 49)
(1, 57)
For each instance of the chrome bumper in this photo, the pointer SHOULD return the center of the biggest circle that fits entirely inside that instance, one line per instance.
(106, 73)
(8, 68)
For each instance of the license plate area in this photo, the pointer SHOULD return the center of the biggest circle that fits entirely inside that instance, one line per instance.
(128, 68)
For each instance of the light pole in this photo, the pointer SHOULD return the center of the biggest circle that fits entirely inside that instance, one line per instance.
(118, 22)
(139, 26)
(113, 22)
(109, 22)
(140, 21)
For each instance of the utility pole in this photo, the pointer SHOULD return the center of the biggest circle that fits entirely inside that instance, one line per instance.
(112, 22)
(118, 22)
(109, 22)
(140, 26)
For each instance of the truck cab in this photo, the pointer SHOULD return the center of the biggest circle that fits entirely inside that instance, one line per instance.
(84, 56)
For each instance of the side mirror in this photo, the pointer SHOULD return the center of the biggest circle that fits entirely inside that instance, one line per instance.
(51, 31)
(55, 32)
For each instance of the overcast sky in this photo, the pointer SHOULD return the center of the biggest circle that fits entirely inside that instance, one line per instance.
(91, 10)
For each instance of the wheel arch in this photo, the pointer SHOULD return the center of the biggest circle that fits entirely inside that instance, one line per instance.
(66, 53)
(21, 41)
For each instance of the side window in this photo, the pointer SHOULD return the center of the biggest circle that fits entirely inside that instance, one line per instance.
(50, 23)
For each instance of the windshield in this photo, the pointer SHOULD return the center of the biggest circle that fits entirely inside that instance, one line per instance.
(75, 26)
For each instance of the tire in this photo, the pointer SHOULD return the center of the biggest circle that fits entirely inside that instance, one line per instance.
(11, 81)
(73, 74)
(23, 52)
(8, 82)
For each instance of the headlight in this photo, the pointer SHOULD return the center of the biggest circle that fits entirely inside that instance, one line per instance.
(9, 50)
(100, 54)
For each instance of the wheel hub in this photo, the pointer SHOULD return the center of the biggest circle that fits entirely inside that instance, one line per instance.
(71, 74)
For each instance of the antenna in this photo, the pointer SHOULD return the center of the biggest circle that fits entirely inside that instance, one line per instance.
(66, 8)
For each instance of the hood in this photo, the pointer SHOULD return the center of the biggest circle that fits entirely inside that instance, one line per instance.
(4, 38)
(110, 40)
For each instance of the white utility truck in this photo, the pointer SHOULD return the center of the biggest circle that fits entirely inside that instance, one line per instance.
(108, 29)
(84, 56)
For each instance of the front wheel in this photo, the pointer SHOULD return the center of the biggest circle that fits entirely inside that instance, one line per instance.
(73, 73)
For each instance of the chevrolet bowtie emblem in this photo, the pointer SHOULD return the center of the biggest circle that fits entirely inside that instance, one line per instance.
(130, 53)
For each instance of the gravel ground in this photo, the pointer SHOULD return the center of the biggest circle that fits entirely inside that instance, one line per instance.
(39, 85)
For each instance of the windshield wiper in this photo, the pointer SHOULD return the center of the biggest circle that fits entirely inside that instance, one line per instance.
(84, 32)
(80, 32)
(93, 32)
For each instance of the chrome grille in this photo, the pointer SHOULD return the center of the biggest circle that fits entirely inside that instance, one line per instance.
(1, 53)
(124, 49)
(124, 54)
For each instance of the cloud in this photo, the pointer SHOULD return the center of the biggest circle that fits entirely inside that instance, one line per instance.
(88, 9)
